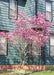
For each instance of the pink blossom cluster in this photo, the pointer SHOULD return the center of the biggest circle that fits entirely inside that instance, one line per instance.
(30, 28)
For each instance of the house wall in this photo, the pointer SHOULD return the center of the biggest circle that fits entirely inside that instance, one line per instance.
(41, 8)
(5, 23)
(12, 56)
(50, 59)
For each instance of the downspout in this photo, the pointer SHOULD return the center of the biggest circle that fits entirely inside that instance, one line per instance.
(35, 7)
(43, 55)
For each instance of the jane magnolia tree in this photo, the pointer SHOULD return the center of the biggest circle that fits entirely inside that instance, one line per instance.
(27, 30)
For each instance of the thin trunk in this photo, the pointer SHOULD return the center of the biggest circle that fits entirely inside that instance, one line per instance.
(20, 58)
(20, 61)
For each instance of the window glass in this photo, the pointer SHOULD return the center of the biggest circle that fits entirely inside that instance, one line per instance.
(13, 9)
(48, 11)
(52, 45)
(36, 50)
(52, 40)
(3, 46)
(48, 6)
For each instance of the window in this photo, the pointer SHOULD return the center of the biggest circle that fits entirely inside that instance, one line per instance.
(48, 11)
(36, 50)
(3, 46)
(13, 9)
(52, 45)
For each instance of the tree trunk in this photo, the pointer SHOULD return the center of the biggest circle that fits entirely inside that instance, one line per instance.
(20, 58)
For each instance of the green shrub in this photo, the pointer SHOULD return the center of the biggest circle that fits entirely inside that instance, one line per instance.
(50, 68)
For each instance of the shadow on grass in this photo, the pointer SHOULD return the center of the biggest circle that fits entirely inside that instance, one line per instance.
(27, 74)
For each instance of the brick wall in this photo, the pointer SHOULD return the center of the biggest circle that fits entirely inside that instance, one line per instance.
(29, 67)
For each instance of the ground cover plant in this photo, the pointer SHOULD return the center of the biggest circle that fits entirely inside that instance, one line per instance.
(42, 73)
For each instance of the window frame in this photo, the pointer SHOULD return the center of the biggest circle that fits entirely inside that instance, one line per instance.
(51, 8)
(16, 9)
(6, 44)
(49, 46)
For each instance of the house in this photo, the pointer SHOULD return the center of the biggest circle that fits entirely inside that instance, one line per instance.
(8, 10)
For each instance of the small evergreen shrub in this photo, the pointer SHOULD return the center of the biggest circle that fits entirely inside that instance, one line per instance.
(50, 68)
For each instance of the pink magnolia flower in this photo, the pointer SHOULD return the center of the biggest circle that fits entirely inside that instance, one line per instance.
(28, 28)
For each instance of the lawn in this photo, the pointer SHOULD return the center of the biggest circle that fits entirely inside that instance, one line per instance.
(42, 73)
(37, 73)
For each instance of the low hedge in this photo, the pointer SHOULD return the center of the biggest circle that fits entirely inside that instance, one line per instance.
(50, 68)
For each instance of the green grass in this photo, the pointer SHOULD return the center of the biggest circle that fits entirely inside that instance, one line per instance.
(4, 74)
(37, 73)
(42, 73)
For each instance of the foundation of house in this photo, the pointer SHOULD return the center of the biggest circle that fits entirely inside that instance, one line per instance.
(29, 67)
